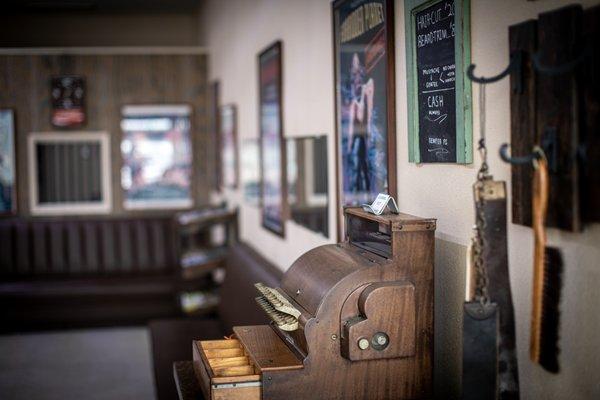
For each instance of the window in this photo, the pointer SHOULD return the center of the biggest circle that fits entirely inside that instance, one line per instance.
(157, 156)
(69, 173)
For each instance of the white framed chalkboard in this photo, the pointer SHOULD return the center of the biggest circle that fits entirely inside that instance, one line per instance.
(438, 51)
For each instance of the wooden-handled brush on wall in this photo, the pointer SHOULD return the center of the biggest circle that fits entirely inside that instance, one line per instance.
(547, 276)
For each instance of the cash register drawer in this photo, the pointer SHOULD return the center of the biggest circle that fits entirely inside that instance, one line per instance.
(225, 371)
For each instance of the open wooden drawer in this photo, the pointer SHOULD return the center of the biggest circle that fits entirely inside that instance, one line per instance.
(225, 371)
(232, 369)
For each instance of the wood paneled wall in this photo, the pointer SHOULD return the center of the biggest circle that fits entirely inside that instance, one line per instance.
(112, 81)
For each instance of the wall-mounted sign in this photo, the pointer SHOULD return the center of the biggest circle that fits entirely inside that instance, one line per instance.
(68, 101)
(438, 50)
(365, 100)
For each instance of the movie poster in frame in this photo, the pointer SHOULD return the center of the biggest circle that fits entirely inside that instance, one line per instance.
(214, 126)
(272, 146)
(68, 101)
(363, 38)
(229, 149)
(156, 147)
(8, 201)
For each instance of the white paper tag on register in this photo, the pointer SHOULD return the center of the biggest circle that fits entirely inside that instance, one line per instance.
(381, 202)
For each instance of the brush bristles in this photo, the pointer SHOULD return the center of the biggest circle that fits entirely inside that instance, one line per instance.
(549, 350)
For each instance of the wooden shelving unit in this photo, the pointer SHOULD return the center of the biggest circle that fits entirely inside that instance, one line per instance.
(204, 239)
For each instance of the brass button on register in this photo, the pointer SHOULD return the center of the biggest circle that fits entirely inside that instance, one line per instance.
(350, 321)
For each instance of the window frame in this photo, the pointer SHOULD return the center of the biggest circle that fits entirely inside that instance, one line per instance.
(70, 208)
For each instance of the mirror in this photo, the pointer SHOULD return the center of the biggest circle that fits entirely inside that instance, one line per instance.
(307, 181)
(250, 171)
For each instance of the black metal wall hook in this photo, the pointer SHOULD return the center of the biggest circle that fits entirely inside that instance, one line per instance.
(553, 70)
(515, 67)
(518, 160)
(549, 149)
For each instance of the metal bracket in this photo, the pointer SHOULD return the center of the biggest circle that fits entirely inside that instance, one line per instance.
(549, 145)
(515, 67)
(553, 70)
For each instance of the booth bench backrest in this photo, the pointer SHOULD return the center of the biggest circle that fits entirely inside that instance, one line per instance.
(244, 268)
(108, 246)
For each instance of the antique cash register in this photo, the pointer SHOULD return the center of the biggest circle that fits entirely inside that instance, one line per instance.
(352, 320)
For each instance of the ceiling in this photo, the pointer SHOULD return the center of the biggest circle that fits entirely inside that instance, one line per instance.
(138, 6)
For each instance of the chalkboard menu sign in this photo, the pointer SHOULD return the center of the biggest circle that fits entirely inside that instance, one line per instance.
(439, 97)
(436, 78)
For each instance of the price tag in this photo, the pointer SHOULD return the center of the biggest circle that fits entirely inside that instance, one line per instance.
(381, 202)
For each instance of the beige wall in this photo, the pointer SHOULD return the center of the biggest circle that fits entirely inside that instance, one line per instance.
(100, 29)
(236, 30)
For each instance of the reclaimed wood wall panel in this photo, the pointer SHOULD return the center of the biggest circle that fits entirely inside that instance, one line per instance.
(591, 88)
(112, 81)
(560, 35)
(522, 37)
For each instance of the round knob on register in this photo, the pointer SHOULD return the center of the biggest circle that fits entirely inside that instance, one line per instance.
(363, 344)
(380, 341)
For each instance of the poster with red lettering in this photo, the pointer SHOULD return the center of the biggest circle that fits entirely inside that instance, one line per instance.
(68, 101)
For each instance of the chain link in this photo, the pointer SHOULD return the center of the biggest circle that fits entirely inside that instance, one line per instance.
(478, 240)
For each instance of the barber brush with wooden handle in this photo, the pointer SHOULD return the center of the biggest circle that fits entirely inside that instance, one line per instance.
(547, 271)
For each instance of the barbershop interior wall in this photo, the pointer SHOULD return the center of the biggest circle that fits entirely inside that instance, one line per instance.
(112, 81)
(236, 31)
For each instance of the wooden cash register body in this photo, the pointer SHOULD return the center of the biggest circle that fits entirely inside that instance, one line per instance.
(379, 280)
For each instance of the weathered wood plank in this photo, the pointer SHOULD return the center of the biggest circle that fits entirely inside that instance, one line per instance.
(558, 110)
(522, 38)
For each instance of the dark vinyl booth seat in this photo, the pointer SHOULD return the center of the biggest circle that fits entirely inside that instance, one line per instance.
(172, 338)
(58, 273)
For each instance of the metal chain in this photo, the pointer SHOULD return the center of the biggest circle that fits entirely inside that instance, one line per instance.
(481, 283)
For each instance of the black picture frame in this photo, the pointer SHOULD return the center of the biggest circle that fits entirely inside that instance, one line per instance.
(229, 146)
(370, 39)
(8, 193)
(272, 145)
(215, 129)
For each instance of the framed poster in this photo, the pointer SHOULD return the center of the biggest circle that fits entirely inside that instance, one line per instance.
(365, 101)
(229, 149)
(214, 117)
(439, 94)
(157, 156)
(68, 101)
(8, 201)
(272, 147)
